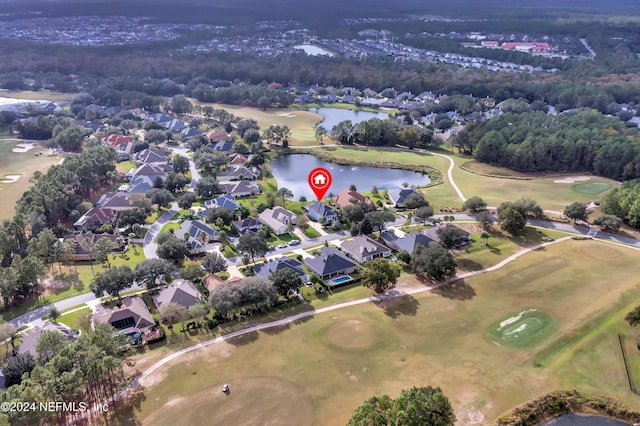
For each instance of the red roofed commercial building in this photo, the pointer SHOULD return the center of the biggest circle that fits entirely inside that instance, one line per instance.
(526, 47)
(489, 43)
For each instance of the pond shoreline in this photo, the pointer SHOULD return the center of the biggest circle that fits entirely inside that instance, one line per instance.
(325, 154)
(559, 403)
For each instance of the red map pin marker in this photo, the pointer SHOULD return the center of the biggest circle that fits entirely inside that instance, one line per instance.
(320, 181)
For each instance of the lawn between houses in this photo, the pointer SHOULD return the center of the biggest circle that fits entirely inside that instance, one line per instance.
(437, 338)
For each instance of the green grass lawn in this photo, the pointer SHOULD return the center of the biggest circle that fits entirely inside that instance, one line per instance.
(169, 226)
(78, 319)
(435, 338)
(311, 232)
(133, 256)
(549, 194)
(125, 166)
(23, 165)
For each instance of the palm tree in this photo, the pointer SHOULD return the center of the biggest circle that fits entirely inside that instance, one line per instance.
(54, 314)
(485, 238)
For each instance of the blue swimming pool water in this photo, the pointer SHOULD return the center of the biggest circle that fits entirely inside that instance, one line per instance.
(341, 280)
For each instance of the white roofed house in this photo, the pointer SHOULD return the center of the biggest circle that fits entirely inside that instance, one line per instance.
(278, 219)
(363, 249)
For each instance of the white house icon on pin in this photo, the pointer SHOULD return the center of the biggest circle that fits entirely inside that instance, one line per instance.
(320, 179)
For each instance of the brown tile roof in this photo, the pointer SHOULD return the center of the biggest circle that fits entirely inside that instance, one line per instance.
(350, 198)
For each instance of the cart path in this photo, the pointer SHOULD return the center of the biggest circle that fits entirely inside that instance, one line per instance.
(452, 165)
(292, 319)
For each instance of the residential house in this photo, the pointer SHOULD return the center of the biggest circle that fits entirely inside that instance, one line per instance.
(116, 140)
(226, 201)
(212, 281)
(115, 201)
(238, 172)
(330, 262)
(350, 198)
(223, 146)
(197, 234)
(398, 196)
(278, 219)
(82, 253)
(151, 155)
(320, 212)
(189, 132)
(180, 292)
(241, 188)
(267, 268)
(363, 249)
(217, 135)
(131, 318)
(138, 185)
(244, 225)
(238, 158)
(95, 218)
(426, 96)
(434, 231)
(407, 243)
(30, 338)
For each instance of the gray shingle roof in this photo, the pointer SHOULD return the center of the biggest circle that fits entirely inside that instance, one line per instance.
(329, 261)
(181, 292)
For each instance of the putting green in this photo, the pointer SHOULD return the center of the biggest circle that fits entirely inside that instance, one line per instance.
(522, 329)
(595, 187)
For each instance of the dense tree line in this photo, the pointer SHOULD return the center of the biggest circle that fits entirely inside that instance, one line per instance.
(63, 187)
(89, 370)
(584, 141)
(623, 202)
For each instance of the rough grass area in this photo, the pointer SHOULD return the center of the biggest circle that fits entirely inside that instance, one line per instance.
(37, 96)
(22, 164)
(435, 338)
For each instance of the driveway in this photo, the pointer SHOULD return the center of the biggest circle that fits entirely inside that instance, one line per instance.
(150, 247)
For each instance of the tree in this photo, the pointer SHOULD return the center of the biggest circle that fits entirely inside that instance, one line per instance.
(113, 281)
(16, 367)
(415, 200)
(186, 200)
(484, 235)
(160, 196)
(207, 187)
(320, 133)
(633, 317)
(414, 407)
(179, 104)
(512, 221)
(192, 271)
(474, 204)
(434, 261)
(379, 219)
(252, 245)
(423, 406)
(484, 219)
(103, 248)
(6, 331)
(89, 246)
(172, 313)
(222, 213)
(380, 275)
(180, 164)
(175, 183)
(343, 132)
(576, 211)
(424, 213)
(49, 344)
(53, 314)
(128, 218)
(264, 102)
(198, 310)
(214, 262)
(286, 281)
(450, 236)
(152, 271)
(286, 194)
(302, 221)
(608, 222)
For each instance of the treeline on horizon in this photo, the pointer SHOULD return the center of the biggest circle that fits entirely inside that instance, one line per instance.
(580, 141)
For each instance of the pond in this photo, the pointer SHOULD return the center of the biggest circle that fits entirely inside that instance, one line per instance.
(291, 172)
(583, 420)
(333, 116)
(313, 50)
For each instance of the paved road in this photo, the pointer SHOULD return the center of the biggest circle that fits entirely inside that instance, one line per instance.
(149, 244)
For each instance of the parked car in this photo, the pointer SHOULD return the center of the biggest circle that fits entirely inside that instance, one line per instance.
(283, 245)
(294, 242)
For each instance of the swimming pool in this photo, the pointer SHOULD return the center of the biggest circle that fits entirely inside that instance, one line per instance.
(341, 280)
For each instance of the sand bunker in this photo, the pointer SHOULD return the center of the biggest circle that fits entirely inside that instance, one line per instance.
(572, 179)
(287, 114)
(10, 178)
(23, 147)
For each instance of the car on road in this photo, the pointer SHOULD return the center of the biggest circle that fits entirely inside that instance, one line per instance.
(271, 248)
(294, 242)
(283, 245)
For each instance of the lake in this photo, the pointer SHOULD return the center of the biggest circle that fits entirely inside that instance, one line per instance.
(313, 50)
(291, 171)
(575, 420)
(333, 116)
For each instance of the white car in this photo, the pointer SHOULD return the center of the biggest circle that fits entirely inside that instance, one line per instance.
(225, 388)
(283, 245)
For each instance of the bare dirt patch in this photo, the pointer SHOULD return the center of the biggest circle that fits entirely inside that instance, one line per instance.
(572, 179)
